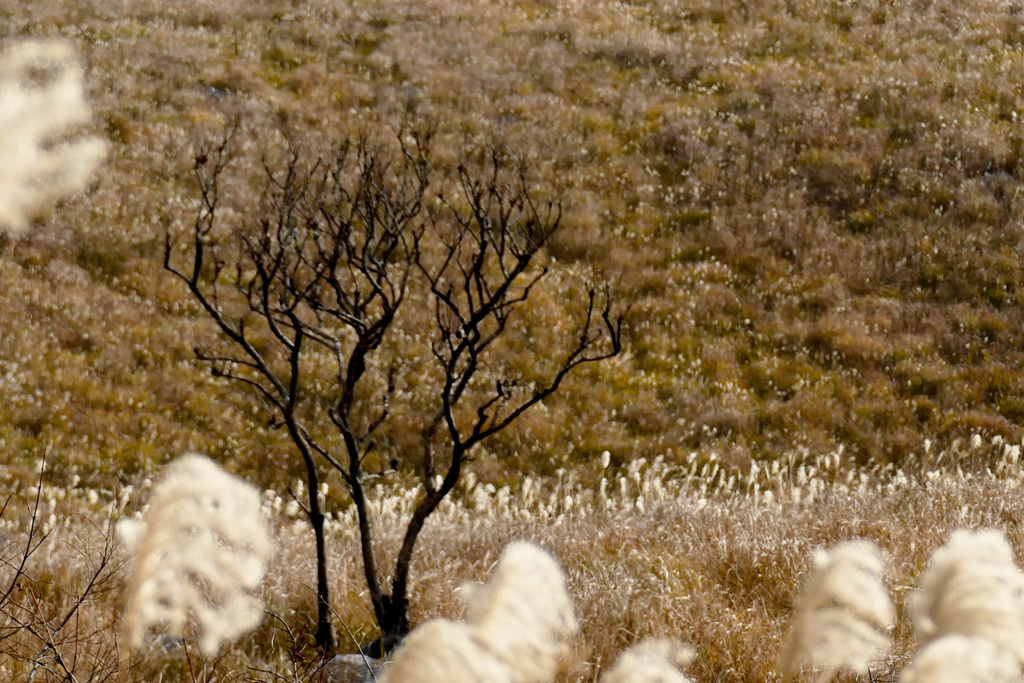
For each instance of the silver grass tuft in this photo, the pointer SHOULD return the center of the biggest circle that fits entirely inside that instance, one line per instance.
(518, 628)
(38, 167)
(444, 651)
(972, 587)
(654, 660)
(524, 613)
(844, 614)
(962, 659)
(201, 551)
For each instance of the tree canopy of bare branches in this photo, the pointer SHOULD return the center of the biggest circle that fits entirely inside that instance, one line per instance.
(318, 274)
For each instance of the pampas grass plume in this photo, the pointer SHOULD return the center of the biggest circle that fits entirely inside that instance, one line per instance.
(961, 659)
(201, 550)
(653, 660)
(444, 651)
(518, 628)
(37, 166)
(524, 613)
(844, 614)
(973, 588)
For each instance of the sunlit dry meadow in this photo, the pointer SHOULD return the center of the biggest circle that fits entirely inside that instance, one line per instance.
(811, 207)
(687, 552)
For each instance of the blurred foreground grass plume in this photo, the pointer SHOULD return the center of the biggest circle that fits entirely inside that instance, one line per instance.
(969, 611)
(844, 615)
(653, 660)
(41, 97)
(201, 550)
(519, 628)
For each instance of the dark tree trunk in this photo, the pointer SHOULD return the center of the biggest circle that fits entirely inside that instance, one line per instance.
(324, 636)
(338, 247)
(394, 624)
(324, 632)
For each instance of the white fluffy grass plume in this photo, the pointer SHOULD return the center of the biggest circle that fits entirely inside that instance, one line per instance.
(518, 628)
(972, 587)
(444, 651)
(524, 613)
(844, 615)
(653, 660)
(201, 551)
(41, 96)
(961, 659)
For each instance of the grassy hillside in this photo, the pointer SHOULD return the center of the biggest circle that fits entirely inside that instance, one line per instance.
(813, 207)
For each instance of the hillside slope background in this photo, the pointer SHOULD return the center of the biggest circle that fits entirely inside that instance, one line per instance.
(813, 209)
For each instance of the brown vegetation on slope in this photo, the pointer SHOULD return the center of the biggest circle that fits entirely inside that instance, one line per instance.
(813, 205)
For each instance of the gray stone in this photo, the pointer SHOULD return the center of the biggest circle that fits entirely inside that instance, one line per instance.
(353, 669)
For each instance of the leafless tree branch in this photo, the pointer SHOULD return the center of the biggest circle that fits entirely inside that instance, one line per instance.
(322, 269)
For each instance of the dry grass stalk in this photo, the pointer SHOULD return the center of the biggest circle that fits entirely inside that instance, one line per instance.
(201, 550)
(844, 615)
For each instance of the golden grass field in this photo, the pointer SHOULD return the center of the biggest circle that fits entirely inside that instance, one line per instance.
(812, 208)
(691, 553)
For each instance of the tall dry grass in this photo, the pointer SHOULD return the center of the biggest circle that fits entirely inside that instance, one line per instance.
(692, 554)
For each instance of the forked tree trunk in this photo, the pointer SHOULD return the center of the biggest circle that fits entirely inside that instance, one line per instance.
(338, 247)
(392, 609)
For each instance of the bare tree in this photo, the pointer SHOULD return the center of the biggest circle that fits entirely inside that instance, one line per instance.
(322, 269)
